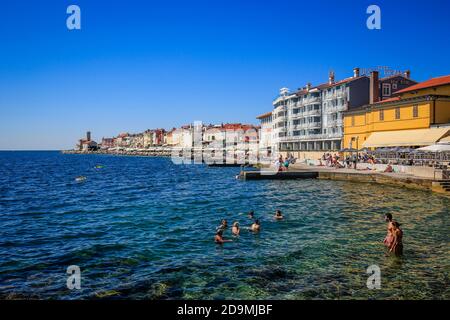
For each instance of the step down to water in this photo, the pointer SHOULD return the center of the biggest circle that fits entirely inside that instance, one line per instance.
(284, 175)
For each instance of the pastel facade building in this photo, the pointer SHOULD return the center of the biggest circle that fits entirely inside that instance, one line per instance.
(416, 116)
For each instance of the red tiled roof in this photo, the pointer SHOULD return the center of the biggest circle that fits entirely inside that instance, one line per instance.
(388, 100)
(434, 82)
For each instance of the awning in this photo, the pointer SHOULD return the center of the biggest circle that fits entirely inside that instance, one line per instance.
(401, 138)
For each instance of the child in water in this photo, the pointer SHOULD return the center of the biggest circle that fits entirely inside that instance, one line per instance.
(235, 229)
(256, 226)
(278, 215)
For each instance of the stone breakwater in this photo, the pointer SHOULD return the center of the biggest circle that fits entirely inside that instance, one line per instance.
(146, 153)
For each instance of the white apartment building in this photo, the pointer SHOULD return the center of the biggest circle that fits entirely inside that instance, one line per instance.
(311, 118)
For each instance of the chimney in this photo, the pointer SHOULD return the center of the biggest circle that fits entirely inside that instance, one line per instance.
(355, 72)
(374, 87)
(88, 136)
(331, 77)
(308, 86)
(407, 74)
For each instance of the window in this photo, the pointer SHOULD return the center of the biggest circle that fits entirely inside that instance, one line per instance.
(394, 86)
(397, 113)
(415, 111)
(386, 90)
(353, 121)
(381, 115)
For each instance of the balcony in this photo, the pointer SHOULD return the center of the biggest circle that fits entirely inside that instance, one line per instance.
(313, 125)
(312, 113)
(335, 123)
(336, 109)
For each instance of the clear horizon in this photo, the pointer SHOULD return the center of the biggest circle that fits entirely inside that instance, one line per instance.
(140, 65)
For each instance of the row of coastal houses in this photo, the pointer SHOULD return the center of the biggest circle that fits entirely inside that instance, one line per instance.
(187, 136)
(361, 111)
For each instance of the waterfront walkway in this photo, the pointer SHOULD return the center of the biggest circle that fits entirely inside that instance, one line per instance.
(359, 175)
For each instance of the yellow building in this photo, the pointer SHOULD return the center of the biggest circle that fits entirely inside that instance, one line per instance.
(418, 115)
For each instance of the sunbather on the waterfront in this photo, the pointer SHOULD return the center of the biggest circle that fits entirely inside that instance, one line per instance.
(389, 168)
(256, 226)
(223, 226)
(219, 238)
(389, 236)
(235, 230)
(397, 240)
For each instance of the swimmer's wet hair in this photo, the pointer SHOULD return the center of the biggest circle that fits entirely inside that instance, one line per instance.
(388, 215)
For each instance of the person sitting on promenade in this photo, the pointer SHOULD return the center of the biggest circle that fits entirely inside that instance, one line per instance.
(219, 238)
(286, 164)
(223, 226)
(389, 168)
(278, 215)
(397, 240)
(256, 226)
(389, 235)
(235, 230)
(347, 161)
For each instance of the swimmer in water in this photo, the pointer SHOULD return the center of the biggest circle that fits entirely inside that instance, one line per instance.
(390, 235)
(219, 238)
(223, 226)
(251, 215)
(397, 239)
(278, 215)
(235, 230)
(256, 226)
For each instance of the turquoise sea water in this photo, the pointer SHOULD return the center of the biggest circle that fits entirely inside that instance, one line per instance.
(143, 228)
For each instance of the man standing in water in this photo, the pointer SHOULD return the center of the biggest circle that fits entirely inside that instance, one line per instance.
(223, 226)
(397, 239)
(389, 236)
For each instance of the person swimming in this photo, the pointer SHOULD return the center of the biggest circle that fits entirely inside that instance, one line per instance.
(235, 230)
(389, 236)
(80, 179)
(223, 226)
(219, 238)
(397, 239)
(251, 215)
(278, 215)
(256, 226)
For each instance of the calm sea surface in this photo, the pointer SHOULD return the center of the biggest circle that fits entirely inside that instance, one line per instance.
(143, 228)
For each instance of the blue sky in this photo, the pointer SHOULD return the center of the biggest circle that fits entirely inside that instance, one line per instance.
(144, 64)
